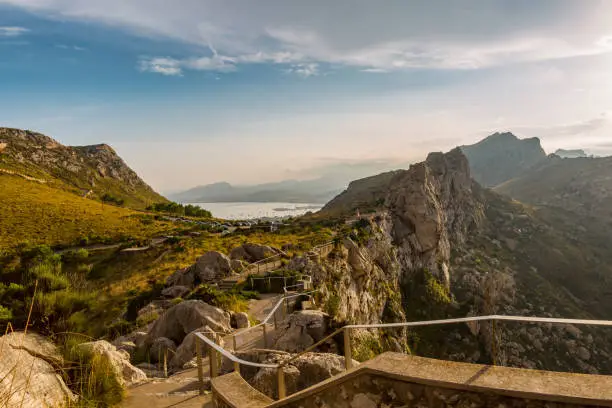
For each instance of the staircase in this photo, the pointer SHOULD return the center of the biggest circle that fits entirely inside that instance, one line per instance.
(228, 283)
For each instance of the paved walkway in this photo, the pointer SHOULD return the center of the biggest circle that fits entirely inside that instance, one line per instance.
(180, 390)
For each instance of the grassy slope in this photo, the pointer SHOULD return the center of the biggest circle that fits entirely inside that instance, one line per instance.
(36, 213)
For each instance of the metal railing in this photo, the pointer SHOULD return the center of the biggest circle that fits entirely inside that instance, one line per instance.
(215, 350)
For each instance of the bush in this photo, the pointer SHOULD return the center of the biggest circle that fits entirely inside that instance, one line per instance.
(180, 209)
(90, 375)
(6, 315)
(109, 198)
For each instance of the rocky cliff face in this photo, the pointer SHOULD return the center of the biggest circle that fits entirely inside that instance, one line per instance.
(440, 246)
(501, 157)
(83, 168)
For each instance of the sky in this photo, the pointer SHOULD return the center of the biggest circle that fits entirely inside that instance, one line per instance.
(191, 92)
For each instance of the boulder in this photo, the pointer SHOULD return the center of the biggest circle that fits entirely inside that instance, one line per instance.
(237, 265)
(127, 346)
(187, 316)
(241, 320)
(182, 277)
(175, 291)
(305, 371)
(28, 373)
(161, 346)
(306, 327)
(250, 252)
(125, 373)
(187, 350)
(211, 267)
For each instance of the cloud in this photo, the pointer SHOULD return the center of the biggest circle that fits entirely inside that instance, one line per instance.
(437, 34)
(305, 70)
(6, 31)
(161, 65)
(578, 128)
(70, 47)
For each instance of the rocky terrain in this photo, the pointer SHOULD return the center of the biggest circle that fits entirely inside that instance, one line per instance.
(91, 171)
(455, 249)
(501, 157)
(582, 186)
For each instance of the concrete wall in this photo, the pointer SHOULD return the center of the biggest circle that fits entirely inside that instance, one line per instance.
(372, 391)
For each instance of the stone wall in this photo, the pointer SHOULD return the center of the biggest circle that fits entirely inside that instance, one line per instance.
(373, 391)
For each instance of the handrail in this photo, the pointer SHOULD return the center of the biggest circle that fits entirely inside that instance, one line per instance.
(347, 328)
(231, 356)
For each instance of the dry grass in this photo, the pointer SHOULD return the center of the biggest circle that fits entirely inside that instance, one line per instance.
(38, 214)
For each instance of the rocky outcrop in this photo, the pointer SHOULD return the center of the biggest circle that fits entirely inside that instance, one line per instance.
(213, 266)
(175, 291)
(182, 319)
(161, 348)
(125, 373)
(187, 350)
(241, 320)
(431, 205)
(29, 376)
(303, 372)
(251, 252)
(305, 328)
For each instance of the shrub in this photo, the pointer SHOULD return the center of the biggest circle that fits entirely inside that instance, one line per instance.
(109, 198)
(6, 315)
(90, 375)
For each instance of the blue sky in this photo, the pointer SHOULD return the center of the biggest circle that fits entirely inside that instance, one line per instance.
(192, 91)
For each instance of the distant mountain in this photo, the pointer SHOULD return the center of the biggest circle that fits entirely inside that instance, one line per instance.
(363, 195)
(290, 191)
(570, 154)
(580, 185)
(93, 171)
(501, 157)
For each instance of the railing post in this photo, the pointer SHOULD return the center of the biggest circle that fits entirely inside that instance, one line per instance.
(280, 374)
(265, 335)
(200, 368)
(212, 360)
(275, 323)
(237, 367)
(348, 352)
(234, 342)
(493, 342)
(166, 363)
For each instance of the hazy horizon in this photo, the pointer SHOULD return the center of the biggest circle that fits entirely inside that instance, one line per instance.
(197, 92)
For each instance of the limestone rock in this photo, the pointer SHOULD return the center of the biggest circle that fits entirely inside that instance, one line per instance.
(187, 350)
(212, 266)
(175, 291)
(125, 372)
(28, 366)
(241, 320)
(250, 252)
(161, 346)
(306, 327)
(187, 316)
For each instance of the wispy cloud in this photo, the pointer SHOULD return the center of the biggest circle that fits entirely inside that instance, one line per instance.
(8, 31)
(70, 47)
(438, 34)
(563, 130)
(304, 70)
(161, 65)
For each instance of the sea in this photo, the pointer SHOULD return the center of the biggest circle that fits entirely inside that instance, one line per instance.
(246, 211)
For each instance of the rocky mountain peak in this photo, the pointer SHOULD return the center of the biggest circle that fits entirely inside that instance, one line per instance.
(501, 157)
(428, 207)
